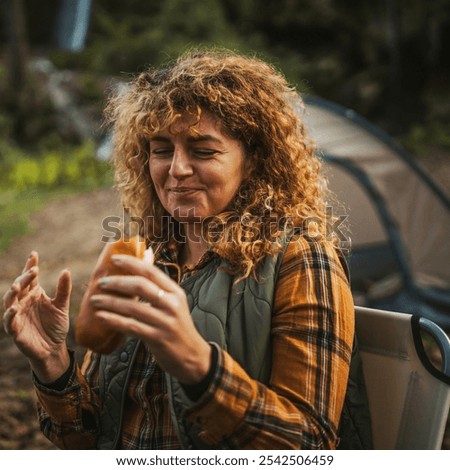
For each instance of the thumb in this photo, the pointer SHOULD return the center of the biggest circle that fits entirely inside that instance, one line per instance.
(63, 290)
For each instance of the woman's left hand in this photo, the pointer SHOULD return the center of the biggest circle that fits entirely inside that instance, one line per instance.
(161, 319)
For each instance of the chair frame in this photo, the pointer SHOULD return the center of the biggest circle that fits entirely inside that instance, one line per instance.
(409, 398)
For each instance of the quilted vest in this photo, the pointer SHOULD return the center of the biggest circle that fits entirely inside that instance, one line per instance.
(235, 316)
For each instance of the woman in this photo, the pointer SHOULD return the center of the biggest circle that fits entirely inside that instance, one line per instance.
(243, 334)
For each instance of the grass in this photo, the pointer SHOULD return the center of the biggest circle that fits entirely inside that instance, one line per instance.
(16, 208)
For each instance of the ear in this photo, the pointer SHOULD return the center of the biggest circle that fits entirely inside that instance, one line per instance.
(250, 165)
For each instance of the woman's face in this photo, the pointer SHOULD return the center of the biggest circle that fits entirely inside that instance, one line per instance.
(196, 171)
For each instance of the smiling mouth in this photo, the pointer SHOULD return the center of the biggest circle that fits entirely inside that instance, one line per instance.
(182, 190)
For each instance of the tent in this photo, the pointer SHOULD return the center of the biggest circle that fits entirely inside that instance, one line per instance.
(399, 217)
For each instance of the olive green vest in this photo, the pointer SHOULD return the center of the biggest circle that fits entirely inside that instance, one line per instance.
(235, 316)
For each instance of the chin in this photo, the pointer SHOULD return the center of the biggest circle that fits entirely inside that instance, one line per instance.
(188, 215)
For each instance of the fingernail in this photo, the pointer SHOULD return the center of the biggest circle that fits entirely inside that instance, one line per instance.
(102, 314)
(116, 259)
(149, 257)
(103, 281)
(95, 299)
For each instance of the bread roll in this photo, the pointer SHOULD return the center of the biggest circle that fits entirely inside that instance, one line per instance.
(89, 331)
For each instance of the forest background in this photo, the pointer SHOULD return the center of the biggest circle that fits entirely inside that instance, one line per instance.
(386, 59)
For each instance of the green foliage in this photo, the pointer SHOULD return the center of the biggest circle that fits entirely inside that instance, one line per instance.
(421, 138)
(72, 167)
(375, 57)
(124, 40)
(25, 174)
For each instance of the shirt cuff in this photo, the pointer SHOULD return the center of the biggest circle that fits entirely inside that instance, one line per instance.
(194, 392)
(62, 405)
(60, 383)
(223, 407)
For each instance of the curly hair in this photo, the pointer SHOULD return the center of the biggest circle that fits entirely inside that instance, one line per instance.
(255, 105)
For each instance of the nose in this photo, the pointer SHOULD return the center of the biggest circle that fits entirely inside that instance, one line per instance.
(180, 166)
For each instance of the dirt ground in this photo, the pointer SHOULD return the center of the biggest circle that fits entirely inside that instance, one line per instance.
(68, 234)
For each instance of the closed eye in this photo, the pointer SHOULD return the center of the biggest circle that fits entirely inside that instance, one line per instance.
(204, 153)
(161, 152)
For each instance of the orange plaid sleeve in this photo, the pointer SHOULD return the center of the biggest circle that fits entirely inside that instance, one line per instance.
(68, 417)
(312, 335)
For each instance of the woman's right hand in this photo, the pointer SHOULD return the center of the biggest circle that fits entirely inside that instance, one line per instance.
(38, 324)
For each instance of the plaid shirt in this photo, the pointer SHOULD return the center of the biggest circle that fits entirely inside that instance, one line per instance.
(312, 335)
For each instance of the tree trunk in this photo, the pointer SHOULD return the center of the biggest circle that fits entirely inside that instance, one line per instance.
(17, 60)
(394, 46)
(13, 14)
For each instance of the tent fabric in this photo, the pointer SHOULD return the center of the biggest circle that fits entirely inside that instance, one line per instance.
(396, 211)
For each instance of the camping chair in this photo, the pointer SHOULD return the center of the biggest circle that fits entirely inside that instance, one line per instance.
(409, 398)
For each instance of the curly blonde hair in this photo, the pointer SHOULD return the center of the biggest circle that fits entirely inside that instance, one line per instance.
(255, 105)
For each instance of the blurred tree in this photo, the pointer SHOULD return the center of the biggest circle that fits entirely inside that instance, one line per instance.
(17, 60)
(127, 37)
(385, 58)
(41, 20)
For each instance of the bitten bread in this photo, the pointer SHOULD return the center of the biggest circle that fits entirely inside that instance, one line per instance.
(90, 331)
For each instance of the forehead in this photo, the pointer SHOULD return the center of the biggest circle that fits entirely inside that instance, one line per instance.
(193, 125)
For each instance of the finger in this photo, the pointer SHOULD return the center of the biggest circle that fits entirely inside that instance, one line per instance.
(140, 267)
(125, 324)
(20, 284)
(136, 286)
(33, 260)
(127, 307)
(8, 318)
(63, 290)
(10, 296)
(149, 256)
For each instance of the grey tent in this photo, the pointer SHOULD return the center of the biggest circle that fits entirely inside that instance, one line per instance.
(399, 217)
